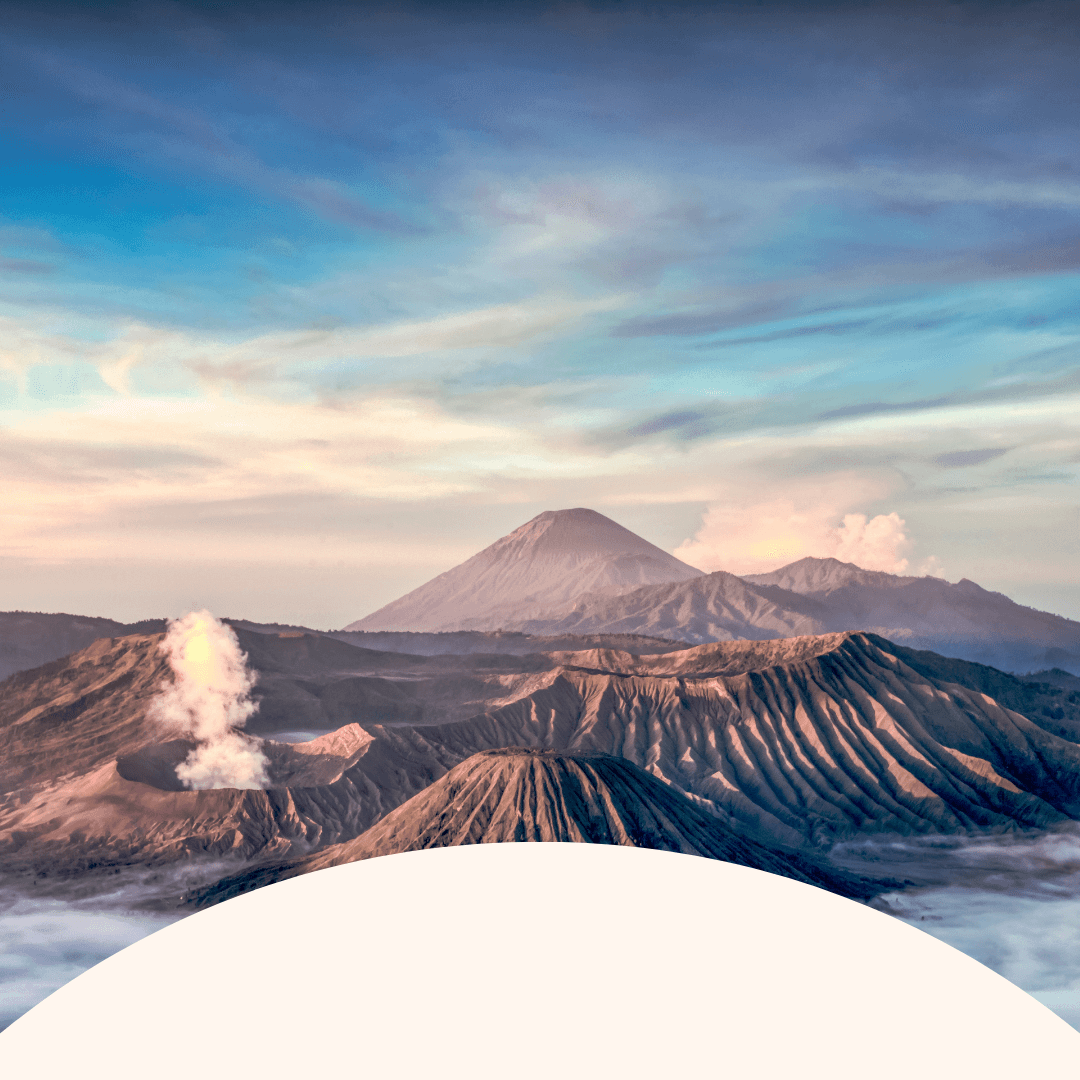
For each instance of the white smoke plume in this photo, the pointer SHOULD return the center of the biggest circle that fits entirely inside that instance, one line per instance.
(209, 700)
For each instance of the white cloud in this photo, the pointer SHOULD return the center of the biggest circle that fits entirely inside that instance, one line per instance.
(215, 362)
(878, 543)
(750, 538)
(24, 344)
(211, 480)
(499, 326)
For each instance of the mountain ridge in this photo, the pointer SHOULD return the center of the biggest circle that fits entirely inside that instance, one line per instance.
(798, 743)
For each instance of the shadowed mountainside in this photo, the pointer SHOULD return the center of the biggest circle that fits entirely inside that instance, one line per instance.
(961, 619)
(29, 639)
(713, 607)
(517, 794)
(499, 642)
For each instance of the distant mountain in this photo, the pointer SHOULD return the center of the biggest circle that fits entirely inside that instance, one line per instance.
(816, 576)
(819, 596)
(30, 638)
(962, 619)
(539, 568)
(495, 642)
(519, 794)
(575, 572)
(713, 607)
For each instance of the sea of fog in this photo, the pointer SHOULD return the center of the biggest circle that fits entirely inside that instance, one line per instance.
(48, 935)
(1010, 902)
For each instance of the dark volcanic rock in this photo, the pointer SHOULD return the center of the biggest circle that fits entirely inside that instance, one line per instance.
(155, 764)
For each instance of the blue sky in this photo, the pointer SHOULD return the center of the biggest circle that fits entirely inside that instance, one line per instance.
(301, 305)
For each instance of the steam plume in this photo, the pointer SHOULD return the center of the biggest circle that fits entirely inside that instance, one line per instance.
(209, 700)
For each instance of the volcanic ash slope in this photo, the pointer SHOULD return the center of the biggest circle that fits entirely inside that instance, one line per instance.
(518, 794)
(87, 778)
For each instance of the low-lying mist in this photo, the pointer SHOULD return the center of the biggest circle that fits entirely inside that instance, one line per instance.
(1011, 901)
(52, 931)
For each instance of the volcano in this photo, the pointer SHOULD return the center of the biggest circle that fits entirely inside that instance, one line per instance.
(539, 568)
(960, 619)
(794, 744)
(522, 794)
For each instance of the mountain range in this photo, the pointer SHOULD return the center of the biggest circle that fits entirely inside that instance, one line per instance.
(574, 579)
(571, 682)
(578, 572)
(791, 744)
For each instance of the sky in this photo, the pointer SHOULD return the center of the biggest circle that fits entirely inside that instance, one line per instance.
(301, 305)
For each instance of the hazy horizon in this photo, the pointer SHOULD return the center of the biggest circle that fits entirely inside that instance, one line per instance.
(133, 608)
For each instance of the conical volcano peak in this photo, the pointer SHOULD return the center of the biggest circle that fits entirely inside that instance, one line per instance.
(581, 530)
(542, 567)
(578, 536)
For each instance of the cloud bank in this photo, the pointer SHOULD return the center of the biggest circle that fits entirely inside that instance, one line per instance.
(756, 538)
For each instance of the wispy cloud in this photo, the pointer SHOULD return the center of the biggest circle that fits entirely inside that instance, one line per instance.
(332, 267)
(962, 459)
(25, 266)
(187, 136)
(499, 326)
